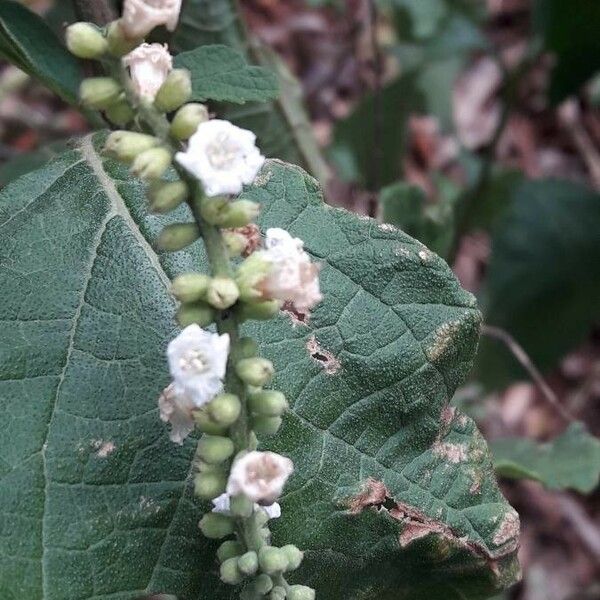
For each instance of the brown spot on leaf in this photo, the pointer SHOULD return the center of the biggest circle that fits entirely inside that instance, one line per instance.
(454, 453)
(374, 493)
(103, 449)
(509, 528)
(297, 317)
(442, 341)
(331, 365)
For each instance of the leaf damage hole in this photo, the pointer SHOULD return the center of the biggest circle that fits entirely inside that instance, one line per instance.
(297, 316)
(331, 365)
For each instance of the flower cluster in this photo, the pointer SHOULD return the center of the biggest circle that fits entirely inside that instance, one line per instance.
(218, 379)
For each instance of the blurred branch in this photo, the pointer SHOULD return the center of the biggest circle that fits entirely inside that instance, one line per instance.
(519, 353)
(99, 12)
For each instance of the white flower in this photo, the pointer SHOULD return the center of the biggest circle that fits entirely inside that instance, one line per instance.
(149, 65)
(197, 361)
(222, 156)
(222, 504)
(140, 17)
(292, 278)
(260, 476)
(177, 408)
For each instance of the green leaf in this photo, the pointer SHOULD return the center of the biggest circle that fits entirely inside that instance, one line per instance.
(570, 30)
(543, 277)
(222, 74)
(570, 461)
(29, 43)
(391, 485)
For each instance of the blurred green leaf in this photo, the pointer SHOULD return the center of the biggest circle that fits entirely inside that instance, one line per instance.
(570, 29)
(543, 282)
(30, 44)
(222, 74)
(570, 461)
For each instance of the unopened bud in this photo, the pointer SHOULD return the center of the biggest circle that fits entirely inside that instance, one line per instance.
(212, 209)
(277, 593)
(187, 119)
(152, 164)
(248, 563)
(229, 549)
(216, 525)
(215, 449)
(300, 592)
(85, 40)
(225, 409)
(272, 560)
(120, 113)
(235, 242)
(250, 277)
(99, 92)
(190, 287)
(255, 371)
(175, 91)
(239, 213)
(260, 311)
(222, 292)
(209, 485)
(165, 197)
(294, 556)
(230, 572)
(266, 425)
(263, 584)
(268, 403)
(178, 236)
(126, 145)
(197, 312)
(241, 506)
(118, 43)
(206, 424)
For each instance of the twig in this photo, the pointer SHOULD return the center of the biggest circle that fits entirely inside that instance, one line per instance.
(99, 12)
(517, 351)
(377, 156)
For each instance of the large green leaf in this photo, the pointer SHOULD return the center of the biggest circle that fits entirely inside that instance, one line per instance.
(29, 43)
(394, 494)
(544, 273)
(220, 73)
(570, 461)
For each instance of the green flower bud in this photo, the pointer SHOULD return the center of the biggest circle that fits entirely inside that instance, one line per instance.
(213, 209)
(198, 313)
(216, 526)
(178, 236)
(225, 409)
(222, 292)
(263, 584)
(272, 560)
(247, 348)
(260, 311)
(165, 197)
(294, 556)
(126, 145)
(249, 277)
(277, 593)
(235, 242)
(187, 119)
(229, 549)
(215, 449)
(190, 287)
(266, 425)
(204, 467)
(99, 92)
(85, 40)
(230, 573)
(239, 213)
(241, 506)
(118, 43)
(268, 403)
(209, 485)
(249, 594)
(120, 113)
(248, 563)
(175, 91)
(300, 592)
(255, 371)
(206, 424)
(152, 163)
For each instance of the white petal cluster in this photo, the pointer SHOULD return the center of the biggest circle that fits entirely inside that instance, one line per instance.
(140, 17)
(260, 476)
(149, 65)
(177, 408)
(222, 505)
(222, 157)
(292, 277)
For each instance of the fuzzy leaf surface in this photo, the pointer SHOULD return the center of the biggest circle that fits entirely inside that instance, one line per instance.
(391, 486)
